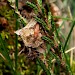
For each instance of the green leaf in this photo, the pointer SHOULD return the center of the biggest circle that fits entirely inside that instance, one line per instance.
(39, 3)
(49, 17)
(42, 22)
(33, 6)
(73, 24)
(43, 66)
(4, 52)
(48, 46)
(65, 45)
(48, 40)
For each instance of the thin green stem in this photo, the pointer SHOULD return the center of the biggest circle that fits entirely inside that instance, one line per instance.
(16, 40)
(17, 4)
(64, 18)
(65, 45)
(43, 66)
(5, 53)
(68, 36)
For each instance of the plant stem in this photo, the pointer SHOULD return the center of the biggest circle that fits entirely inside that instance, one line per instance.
(68, 67)
(5, 53)
(16, 40)
(43, 66)
(68, 36)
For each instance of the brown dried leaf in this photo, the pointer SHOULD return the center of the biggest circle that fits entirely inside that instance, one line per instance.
(28, 27)
(28, 35)
(56, 12)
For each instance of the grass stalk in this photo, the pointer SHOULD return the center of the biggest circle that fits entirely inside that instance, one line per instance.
(70, 50)
(64, 18)
(16, 40)
(65, 45)
(43, 66)
(71, 54)
(4, 52)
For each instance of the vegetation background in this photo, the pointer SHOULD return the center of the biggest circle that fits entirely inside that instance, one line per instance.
(14, 59)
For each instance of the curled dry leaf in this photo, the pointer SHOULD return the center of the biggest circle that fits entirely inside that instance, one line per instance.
(30, 34)
(56, 12)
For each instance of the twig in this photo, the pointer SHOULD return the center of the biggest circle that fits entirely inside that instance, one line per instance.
(2, 56)
(71, 55)
(21, 51)
(71, 49)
